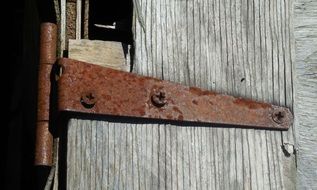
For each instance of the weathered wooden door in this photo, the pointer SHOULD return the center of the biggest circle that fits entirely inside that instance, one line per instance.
(239, 47)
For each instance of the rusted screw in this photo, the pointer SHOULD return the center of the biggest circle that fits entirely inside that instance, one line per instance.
(278, 116)
(158, 98)
(88, 99)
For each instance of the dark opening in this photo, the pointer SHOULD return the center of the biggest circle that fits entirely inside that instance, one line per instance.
(110, 20)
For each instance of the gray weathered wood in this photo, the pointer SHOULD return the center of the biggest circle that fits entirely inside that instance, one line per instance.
(62, 38)
(78, 19)
(306, 92)
(239, 47)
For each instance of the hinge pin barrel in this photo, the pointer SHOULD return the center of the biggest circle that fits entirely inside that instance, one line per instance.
(44, 138)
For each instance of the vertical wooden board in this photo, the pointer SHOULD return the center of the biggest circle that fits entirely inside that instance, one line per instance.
(162, 158)
(178, 156)
(134, 176)
(204, 165)
(93, 164)
(173, 146)
(140, 136)
(98, 143)
(186, 158)
(238, 159)
(105, 154)
(71, 152)
(168, 159)
(239, 47)
(306, 92)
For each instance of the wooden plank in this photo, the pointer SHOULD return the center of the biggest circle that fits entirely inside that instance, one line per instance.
(63, 26)
(103, 53)
(78, 19)
(306, 92)
(238, 47)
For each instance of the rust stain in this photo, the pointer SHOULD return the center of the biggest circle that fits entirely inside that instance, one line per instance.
(169, 116)
(177, 110)
(195, 102)
(250, 104)
(107, 97)
(140, 111)
(44, 90)
(44, 139)
(200, 92)
(48, 43)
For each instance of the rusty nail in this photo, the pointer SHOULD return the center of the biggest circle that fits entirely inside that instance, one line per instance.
(88, 99)
(278, 116)
(158, 98)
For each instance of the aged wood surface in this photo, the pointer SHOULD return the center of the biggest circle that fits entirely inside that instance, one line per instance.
(306, 92)
(103, 53)
(239, 47)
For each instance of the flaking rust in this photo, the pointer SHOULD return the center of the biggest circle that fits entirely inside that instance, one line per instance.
(88, 88)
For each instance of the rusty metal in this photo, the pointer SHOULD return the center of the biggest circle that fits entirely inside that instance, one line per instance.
(44, 89)
(44, 139)
(126, 94)
(48, 43)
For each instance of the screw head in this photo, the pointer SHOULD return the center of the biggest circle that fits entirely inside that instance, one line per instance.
(158, 98)
(88, 99)
(279, 116)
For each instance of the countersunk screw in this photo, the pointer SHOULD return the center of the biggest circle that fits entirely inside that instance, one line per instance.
(88, 99)
(158, 98)
(279, 116)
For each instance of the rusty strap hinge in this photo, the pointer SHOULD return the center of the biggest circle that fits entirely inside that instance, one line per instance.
(88, 88)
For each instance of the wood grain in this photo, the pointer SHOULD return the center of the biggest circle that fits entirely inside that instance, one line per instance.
(238, 47)
(306, 92)
(103, 53)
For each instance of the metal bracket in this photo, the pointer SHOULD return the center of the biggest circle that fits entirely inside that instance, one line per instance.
(88, 88)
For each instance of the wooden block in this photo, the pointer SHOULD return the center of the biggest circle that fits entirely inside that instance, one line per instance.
(103, 53)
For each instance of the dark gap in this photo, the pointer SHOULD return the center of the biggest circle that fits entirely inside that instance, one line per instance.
(62, 123)
(285, 152)
(104, 14)
(66, 115)
(46, 11)
(24, 18)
